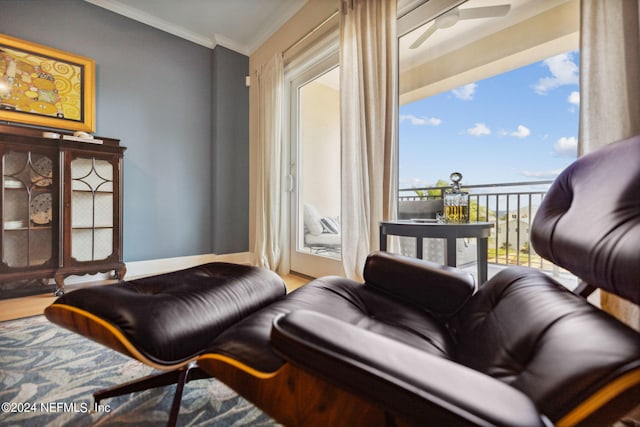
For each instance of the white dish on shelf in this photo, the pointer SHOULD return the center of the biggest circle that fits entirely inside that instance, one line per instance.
(12, 183)
(12, 225)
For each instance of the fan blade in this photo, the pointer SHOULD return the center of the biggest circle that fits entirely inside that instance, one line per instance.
(485, 12)
(427, 33)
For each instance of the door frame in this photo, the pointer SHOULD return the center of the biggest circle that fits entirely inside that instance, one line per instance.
(305, 68)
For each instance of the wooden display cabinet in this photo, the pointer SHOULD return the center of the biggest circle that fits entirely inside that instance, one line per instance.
(61, 210)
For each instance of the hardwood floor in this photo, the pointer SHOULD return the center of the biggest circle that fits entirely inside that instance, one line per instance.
(295, 280)
(17, 308)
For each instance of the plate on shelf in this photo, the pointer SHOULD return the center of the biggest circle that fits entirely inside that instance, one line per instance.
(42, 172)
(40, 208)
(13, 225)
(12, 183)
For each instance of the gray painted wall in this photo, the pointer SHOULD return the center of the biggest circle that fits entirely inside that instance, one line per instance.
(230, 129)
(154, 92)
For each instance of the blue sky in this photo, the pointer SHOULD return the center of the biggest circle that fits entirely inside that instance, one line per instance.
(519, 126)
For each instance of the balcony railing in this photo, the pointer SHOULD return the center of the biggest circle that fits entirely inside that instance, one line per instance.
(511, 207)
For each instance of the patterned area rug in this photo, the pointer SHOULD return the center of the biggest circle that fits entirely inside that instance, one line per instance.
(48, 376)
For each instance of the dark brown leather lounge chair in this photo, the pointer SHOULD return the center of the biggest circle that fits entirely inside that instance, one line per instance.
(416, 344)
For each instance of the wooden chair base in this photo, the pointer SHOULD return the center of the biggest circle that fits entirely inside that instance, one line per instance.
(294, 397)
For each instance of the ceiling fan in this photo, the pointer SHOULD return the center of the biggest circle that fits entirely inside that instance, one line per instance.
(450, 18)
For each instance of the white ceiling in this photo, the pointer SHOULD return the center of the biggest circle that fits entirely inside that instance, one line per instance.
(243, 25)
(240, 25)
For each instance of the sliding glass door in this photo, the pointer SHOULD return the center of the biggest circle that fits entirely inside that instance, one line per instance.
(315, 169)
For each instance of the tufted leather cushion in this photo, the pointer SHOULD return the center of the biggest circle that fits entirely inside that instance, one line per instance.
(340, 298)
(530, 332)
(589, 221)
(172, 317)
(439, 289)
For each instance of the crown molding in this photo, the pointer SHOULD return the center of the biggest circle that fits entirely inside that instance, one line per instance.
(160, 24)
(231, 44)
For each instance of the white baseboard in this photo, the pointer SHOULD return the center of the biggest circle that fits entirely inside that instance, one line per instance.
(158, 266)
(151, 267)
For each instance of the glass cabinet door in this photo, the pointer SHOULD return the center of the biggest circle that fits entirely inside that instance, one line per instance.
(92, 209)
(60, 210)
(28, 210)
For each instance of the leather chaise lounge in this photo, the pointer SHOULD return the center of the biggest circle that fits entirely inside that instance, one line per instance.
(166, 321)
(417, 343)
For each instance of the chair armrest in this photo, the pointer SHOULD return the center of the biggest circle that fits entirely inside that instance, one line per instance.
(438, 289)
(405, 381)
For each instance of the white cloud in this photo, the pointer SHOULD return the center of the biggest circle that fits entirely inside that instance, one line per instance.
(479, 129)
(566, 146)
(465, 92)
(420, 121)
(574, 98)
(522, 132)
(418, 183)
(548, 174)
(563, 72)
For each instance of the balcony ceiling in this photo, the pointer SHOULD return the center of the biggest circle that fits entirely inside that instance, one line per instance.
(240, 25)
(464, 31)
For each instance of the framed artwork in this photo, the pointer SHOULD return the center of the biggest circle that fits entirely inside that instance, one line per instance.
(46, 87)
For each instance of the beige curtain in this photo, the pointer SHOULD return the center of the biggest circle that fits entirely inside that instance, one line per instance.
(368, 73)
(270, 201)
(610, 89)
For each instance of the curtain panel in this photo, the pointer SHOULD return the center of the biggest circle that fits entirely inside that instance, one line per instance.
(270, 201)
(610, 84)
(368, 79)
